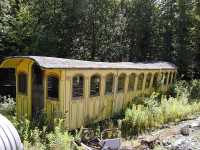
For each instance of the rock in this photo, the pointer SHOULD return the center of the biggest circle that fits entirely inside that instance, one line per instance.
(185, 131)
(179, 144)
(195, 124)
(149, 141)
(126, 148)
(166, 126)
(166, 143)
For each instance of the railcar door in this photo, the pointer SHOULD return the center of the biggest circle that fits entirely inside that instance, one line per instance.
(108, 98)
(53, 96)
(37, 91)
(22, 98)
(77, 101)
(120, 93)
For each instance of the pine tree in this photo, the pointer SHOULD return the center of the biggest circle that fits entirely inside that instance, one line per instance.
(168, 20)
(183, 43)
(140, 29)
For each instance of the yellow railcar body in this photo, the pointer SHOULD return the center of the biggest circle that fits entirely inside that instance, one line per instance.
(86, 109)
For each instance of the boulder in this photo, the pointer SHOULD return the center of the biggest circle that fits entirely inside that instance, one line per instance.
(185, 131)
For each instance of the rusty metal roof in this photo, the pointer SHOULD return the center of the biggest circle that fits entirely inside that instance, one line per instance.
(53, 62)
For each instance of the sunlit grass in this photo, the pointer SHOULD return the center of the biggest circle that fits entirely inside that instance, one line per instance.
(154, 113)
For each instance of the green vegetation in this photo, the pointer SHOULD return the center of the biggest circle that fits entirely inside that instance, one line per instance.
(35, 138)
(7, 106)
(156, 110)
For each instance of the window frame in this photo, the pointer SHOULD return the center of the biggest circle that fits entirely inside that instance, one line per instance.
(113, 80)
(99, 93)
(83, 92)
(18, 88)
(123, 90)
(47, 85)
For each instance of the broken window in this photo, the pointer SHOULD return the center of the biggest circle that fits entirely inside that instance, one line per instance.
(95, 85)
(109, 84)
(131, 84)
(53, 86)
(140, 81)
(22, 83)
(121, 83)
(77, 86)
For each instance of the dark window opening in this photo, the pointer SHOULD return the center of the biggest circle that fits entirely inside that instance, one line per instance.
(140, 81)
(109, 84)
(155, 80)
(131, 84)
(174, 78)
(53, 86)
(77, 86)
(22, 83)
(170, 77)
(121, 83)
(148, 81)
(166, 76)
(7, 82)
(95, 85)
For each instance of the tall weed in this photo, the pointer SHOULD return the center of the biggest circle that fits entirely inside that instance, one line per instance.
(7, 105)
(158, 110)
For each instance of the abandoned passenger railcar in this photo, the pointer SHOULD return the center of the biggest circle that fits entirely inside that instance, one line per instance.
(82, 91)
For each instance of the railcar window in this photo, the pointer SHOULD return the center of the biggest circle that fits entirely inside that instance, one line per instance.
(95, 85)
(53, 87)
(77, 86)
(140, 81)
(109, 84)
(173, 77)
(165, 80)
(131, 84)
(22, 83)
(121, 83)
(148, 81)
(155, 80)
(170, 77)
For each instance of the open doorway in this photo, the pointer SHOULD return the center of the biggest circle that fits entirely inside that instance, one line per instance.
(37, 91)
(7, 83)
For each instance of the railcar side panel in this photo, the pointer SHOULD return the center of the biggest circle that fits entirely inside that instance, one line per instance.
(54, 106)
(23, 100)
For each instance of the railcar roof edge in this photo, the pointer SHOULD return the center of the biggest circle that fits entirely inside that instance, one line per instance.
(62, 63)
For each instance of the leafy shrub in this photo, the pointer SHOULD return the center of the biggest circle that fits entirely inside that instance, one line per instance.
(192, 89)
(179, 88)
(60, 139)
(195, 89)
(7, 105)
(35, 138)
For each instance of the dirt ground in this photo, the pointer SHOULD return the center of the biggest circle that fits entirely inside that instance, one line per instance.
(182, 136)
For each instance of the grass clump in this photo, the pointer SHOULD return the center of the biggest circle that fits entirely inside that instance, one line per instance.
(35, 138)
(7, 105)
(158, 109)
